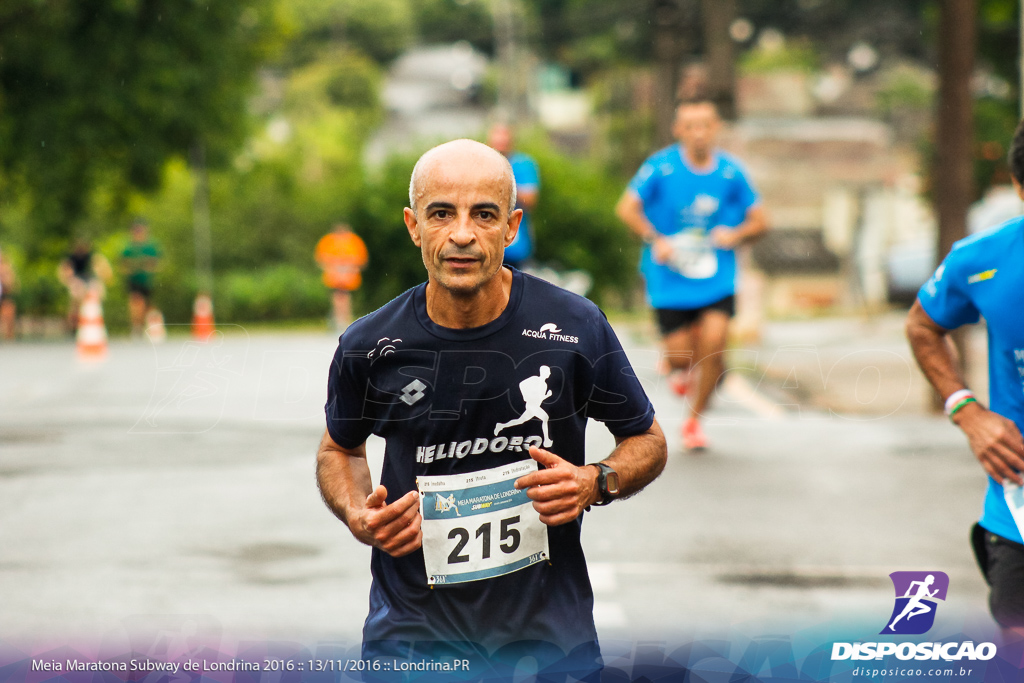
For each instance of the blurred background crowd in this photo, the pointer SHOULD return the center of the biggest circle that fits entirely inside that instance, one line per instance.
(243, 130)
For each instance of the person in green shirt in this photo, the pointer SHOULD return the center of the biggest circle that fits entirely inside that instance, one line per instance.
(139, 261)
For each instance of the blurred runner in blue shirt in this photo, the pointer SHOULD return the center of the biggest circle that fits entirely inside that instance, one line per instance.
(983, 276)
(524, 168)
(692, 205)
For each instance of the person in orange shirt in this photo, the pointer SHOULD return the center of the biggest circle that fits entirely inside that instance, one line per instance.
(342, 255)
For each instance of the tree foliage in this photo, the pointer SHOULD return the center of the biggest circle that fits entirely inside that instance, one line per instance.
(381, 29)
(448, 21)
(106, 91)
(589, 35)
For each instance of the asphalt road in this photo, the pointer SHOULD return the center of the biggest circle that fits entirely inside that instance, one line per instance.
(174, 485)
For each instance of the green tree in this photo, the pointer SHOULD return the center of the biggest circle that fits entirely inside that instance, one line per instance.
(381, 29)
(447, 21)
(576, 225)
(104, 92)
(298, 173)
(589, 35)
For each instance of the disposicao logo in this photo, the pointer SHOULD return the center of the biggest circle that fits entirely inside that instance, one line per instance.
(916, 596)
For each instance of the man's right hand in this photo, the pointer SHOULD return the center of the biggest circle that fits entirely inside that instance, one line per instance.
(995, 441)
(394, 528)
(661, 250)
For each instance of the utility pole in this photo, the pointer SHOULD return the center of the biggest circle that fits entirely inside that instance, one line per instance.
(202, 309)
(667, 56)
(511, 88)
(954, 132)
(201, 221)
(718, 16)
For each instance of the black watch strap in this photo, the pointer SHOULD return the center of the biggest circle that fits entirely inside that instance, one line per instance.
(607, 483)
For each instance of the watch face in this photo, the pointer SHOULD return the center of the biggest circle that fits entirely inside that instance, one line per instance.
(611, 483)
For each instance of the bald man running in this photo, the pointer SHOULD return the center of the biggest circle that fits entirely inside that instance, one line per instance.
(475, 534)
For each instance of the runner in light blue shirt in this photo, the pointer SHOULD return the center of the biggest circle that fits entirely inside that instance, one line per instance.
(983, 276)
(693, 205)
(527, 176)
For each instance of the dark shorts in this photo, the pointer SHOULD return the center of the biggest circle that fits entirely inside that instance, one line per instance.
(671, 319)
(1002, 563)
(140, 288)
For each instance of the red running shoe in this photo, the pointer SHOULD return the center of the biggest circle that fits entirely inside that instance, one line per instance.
(693, 436)
(679, 382)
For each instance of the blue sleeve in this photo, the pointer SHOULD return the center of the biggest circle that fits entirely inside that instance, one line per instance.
(617, 398)
(944, 297)
(745, 194)
(347, 385)
(645, 182)
(526, 173)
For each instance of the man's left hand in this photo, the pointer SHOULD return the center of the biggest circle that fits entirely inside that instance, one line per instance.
(561, 491)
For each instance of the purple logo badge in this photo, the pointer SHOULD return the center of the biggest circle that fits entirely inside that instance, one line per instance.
(916, 596)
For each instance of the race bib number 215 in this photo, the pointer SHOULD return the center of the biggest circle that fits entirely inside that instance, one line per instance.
(478, 525)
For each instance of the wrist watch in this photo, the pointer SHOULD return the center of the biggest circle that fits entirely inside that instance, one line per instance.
(607, 483)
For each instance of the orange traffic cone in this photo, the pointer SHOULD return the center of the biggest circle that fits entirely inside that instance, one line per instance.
(92, 334)
(202, 318)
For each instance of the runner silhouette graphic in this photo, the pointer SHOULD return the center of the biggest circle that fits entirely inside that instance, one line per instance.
(535, 391)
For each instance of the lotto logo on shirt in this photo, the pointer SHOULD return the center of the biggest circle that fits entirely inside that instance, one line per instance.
(916, 596)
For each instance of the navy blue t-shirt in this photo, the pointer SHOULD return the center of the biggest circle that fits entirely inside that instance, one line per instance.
(437, 396)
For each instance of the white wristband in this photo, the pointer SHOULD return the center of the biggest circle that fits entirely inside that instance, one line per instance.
(956, 397)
